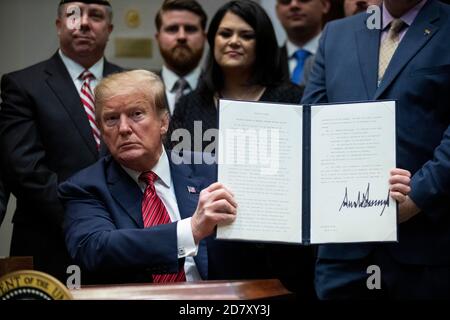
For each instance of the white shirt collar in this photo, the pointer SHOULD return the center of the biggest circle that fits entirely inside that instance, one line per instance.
(162, 170)
(311, 46)
(169, 77)
(76, 69)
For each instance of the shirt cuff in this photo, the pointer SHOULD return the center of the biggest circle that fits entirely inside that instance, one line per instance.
(185, 238)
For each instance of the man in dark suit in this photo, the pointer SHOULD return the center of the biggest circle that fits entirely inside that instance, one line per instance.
(47, 133)
(181, 37)
(303, 21)
(106, 226)
(351, 65)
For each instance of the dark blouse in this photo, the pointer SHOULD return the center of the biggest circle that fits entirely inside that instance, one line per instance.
(197, 107)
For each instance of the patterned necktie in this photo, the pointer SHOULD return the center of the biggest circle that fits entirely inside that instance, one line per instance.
(301, 56)
(87, 98)
(388, 47)
(179, 87)
(155, 213)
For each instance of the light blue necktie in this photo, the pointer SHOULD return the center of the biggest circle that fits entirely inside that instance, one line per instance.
(300, 55)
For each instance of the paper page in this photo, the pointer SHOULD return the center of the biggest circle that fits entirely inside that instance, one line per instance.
(352, 152)
(260, 161)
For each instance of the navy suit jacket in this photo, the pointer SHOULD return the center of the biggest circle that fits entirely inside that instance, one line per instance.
(105, 234)
(418, 77)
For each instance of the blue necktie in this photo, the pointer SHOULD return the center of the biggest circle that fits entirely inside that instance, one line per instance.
(300, 55)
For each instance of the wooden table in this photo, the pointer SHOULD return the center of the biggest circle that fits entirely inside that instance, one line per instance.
(202, 290)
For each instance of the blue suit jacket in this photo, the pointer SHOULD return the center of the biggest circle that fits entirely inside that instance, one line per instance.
(419, 79)
(105, 235)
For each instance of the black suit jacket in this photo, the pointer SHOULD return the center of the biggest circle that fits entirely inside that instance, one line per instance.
(3, 201)
(45, 137)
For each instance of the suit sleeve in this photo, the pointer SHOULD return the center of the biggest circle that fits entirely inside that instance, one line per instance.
(316, 90)
(23, 154)
(94, 241)
(430, 186)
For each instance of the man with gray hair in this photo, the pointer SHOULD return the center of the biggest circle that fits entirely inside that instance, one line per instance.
(48, 131)
(138, 215)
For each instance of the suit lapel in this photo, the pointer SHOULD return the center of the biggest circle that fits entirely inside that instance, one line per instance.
(284, 61)
(368, 43)
(187, 188)
(125, 191)
(62, 85)
(414, 40)
(109, 68)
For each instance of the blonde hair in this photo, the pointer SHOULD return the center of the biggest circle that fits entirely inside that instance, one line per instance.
(127, 82)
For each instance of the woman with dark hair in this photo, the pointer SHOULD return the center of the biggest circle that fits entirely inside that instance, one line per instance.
(242, 65)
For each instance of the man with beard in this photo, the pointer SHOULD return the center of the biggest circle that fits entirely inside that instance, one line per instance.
(48, 131)
(181, 37)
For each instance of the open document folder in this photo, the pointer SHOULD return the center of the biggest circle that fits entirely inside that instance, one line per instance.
(308, 174)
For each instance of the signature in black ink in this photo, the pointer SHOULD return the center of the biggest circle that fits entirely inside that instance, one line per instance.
(364, 201)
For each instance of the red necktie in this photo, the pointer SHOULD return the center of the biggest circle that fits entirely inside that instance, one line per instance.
(87, 98)
(155, 213)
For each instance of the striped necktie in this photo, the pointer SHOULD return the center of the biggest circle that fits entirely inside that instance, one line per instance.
(87, 98)
(155, 213)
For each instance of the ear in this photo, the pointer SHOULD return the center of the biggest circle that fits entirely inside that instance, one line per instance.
(58, 24)
(164, 123)
(326, 6)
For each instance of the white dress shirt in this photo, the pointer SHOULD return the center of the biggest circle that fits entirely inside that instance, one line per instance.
(165, 190)
(311, 46)
(75, 70)
(170, 78)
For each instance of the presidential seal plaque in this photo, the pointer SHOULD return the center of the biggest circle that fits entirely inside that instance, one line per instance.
(32, 285)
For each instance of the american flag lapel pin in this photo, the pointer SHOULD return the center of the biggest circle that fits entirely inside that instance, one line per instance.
(191, 189)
